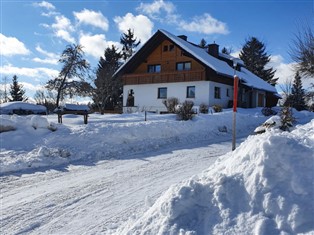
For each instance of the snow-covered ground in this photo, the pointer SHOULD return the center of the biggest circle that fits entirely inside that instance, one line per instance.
(113, 175)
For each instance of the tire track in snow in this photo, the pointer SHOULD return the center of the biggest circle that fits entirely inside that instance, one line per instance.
(89, 200)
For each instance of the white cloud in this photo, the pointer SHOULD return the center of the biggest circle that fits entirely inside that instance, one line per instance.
(95, 45)
(62, 28)
(92, 18)
(51, 58)
(48, 7)
(156, 8)
(204, 24)
(44, 4)
(36, 73)
(12, 46)
(284, 70)
(141, 25)
(165, 12)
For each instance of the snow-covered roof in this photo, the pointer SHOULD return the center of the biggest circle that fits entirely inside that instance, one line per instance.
(7, 108)
(221, 66)
(76, 107)
(218, 65)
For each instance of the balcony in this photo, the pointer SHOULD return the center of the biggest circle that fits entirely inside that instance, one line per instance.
(164, 77)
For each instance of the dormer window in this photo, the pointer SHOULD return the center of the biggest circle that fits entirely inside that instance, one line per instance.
(183, 66)
(154, 68)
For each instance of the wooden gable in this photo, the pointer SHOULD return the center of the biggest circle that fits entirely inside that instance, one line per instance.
(167, 55)
(161, 51)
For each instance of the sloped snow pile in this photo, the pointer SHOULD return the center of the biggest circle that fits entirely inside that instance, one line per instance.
(266, 186)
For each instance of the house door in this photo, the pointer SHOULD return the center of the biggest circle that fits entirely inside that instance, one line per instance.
(260, 102)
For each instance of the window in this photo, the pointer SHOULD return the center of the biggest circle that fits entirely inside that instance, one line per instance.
(154, 68)
(171, 47)
(165, 48)
(227, 93)
(190, 92)
(162, 93)
(217, 92)
(184, 66)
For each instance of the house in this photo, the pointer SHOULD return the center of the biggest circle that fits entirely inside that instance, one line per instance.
(170, 66)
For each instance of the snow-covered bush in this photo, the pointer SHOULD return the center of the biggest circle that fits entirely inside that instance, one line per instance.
(203, 108)
(6, 125)
(287, 118)
(39, 122)
(184, 111)
(217, 108)
(266, 111)
(171, 104)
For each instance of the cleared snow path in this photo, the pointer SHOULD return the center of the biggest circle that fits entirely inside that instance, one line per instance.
(97, 199)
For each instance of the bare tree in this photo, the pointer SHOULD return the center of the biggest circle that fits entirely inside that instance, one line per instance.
(286, 88)
(74, 66)
(302, 51)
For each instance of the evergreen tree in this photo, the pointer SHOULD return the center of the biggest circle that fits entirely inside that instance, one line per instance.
(108, 89)
(203, 43)
(297, 97)
(128, 44)
(16, 91)
(226, 51)
(255, 58)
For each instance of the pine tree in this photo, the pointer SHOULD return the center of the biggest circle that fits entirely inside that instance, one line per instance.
(297, 97)
(226, 51)
(129, 44)
(16, 91)
(255, 58)
(108, 89)
(203, 43)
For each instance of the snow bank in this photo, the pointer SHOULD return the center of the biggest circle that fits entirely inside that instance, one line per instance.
(110, 136)
(17, 106)
(264, 187)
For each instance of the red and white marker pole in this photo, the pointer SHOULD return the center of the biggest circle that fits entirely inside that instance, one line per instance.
(235, 104)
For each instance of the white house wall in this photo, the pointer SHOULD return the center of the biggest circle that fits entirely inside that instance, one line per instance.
(224, 99)
(146, 95)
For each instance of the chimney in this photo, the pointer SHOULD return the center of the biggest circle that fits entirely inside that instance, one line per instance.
(184, 37)
(213, 49)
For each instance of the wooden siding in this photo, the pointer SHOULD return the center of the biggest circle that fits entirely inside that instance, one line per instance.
(167, 60)
(148, 78)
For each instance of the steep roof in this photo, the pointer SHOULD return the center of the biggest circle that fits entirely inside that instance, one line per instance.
(218, 65)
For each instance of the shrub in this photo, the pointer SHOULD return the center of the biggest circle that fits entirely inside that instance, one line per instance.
(203, 108)
(217, 108)
(286, 118)
(171, 104)
(184, 111)
(266, 111)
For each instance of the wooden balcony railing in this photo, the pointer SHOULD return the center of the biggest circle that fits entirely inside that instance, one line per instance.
(164, 77)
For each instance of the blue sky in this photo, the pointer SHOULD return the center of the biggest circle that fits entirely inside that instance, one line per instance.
(34, 33)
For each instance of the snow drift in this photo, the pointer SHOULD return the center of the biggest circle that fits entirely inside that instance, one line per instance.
(263, 187)
(32, 145)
